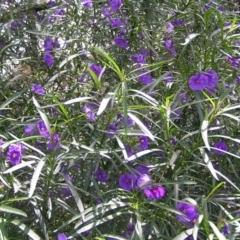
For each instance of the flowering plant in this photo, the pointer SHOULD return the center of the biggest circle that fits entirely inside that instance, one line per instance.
(126, 127)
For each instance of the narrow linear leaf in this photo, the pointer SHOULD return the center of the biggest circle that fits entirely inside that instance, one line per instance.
(76, 197)
(75, 100)
(26, 229)
(19, 166)
(12, 98)
(204, 132)
(208, 163)
(189, 38)
(35, 177)
(7, 209)
(69, 58)
(219, 235)
(174, 157)
(196, 227)
(141, 125)
(105, 102)
(184, 235)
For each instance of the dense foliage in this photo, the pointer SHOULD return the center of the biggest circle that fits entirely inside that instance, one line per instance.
(119, 119)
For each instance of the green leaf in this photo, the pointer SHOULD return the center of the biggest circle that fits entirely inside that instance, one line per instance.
(19, 166)
(204, 132)
(184, 235)
(142, 126)
(7, 209)
(35, 177)
(28, 231)
(208, 163)
(69, 58)
(110, 60)
(219, 235)
(105, 102)
(12, 98)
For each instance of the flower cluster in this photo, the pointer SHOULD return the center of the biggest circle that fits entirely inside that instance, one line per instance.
(14, 153)
(144, 73)
(120, 39)
(142, 181)
(89, 110)
(206, 80)
(49, 45)
(189, 213)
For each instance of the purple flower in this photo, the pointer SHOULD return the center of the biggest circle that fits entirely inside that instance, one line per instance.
(173, 51)
(170, 28)
(42, 129)
(29, 130)
(14, 153)
(198, 82)
(76, 167)
(38, 89)
(130, 228)
(112, 128)
(122, 32)
(173, 141)
(177, 22)
(169, 78)
(54, 143)
(138, 58)
(143, 181)
(66, 192)
(221, 8)
(88, 109)
(189, 212)
(99, 201)
(106, 12)
(207, 6)
(116, 22)
(155, 192)
(142, 170)
(62, 236)
(126, 181)
(176, 114)
(15, 25)
(143, 140)
(221, 146)
(50, 19)
(121, 42)
(144, 52)
(226, 229)
(115, 5)
(60, 12)
(234, 61)
(182, 97)
(100, 176)
(238, 79)
(212, 79)
(145, 79)
(68, 177)
(96, 69)
(51, 3)
(56, 44)
(48, 59)
(87, 3)
(48, 44)
(168, 44)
